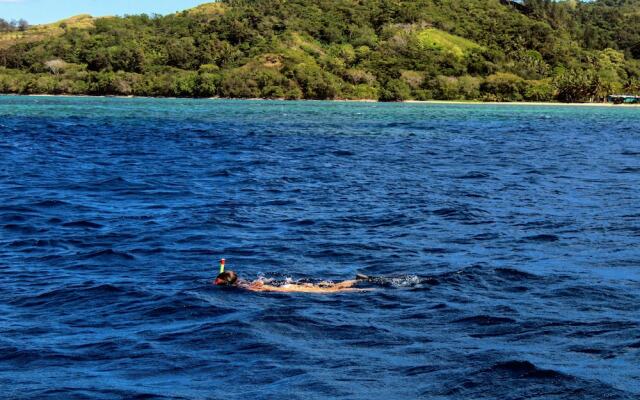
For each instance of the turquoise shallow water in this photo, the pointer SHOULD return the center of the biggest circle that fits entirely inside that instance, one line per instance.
(509, 235)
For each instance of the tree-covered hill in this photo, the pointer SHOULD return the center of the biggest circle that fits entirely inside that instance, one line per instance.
(493, 50)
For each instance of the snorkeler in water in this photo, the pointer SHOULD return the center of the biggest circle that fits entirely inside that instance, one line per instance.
(230, 278)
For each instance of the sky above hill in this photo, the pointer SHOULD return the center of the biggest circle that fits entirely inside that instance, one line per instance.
(44, 11)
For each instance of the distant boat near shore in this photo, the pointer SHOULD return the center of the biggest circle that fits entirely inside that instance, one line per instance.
(623, 99)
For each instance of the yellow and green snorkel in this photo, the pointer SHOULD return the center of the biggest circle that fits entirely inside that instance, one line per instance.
(222, 265)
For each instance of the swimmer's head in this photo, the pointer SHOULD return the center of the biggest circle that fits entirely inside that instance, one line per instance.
(228, 278)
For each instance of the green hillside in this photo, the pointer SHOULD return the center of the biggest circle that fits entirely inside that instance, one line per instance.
(491, 50)
(45, 31)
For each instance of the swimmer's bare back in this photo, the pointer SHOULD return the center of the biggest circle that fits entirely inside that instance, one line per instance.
(346, 286)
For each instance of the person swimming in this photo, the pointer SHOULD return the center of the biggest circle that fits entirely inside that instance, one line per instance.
(230, 278)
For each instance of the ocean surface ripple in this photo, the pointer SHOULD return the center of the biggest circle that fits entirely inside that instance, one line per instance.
(509, 237)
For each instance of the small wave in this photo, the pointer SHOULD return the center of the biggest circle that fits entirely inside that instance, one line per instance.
(279, 203)
(526, 370)
(437, 250)
(25, 229)
(485, 320)
(343, 153)
(630, 170)
(380, 221)
(472, 195)
(463, 214)
(486, 236)
(16, 209)
(329, 254)
(117, 184)
(222, 173)
(545, 224)
(186, 305)
(542, 238)
(463, 276)
(515, 274)
(304, 222)
(77, 294)
(50, 204)
(474, 175)
(29, 243)
(82, 224)
(589, 350)
(84, 393)
(13, 218)
(419, 370)
(240, 251)
(398, 124)
(29, 356)
(113, 182)
(203, 251)
(592, 294)
(108, 254)
(534, 171)
(148, 250)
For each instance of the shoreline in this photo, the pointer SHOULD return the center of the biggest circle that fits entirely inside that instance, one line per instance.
(520, 103)
(428, 102)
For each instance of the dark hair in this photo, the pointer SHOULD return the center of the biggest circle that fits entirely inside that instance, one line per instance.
(229, 277)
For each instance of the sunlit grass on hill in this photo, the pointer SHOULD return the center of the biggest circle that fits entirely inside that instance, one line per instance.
(441, 40)
(40, 32)
(215, 8)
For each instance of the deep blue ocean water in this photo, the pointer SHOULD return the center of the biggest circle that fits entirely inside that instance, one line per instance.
(510, 236)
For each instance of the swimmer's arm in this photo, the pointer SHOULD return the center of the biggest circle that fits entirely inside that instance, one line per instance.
(346, 286)
(263, 287)
(258, 286)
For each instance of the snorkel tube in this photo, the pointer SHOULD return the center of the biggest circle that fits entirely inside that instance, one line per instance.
(219, 280)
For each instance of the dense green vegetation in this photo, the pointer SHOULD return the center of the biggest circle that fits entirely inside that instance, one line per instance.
(492, 50)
